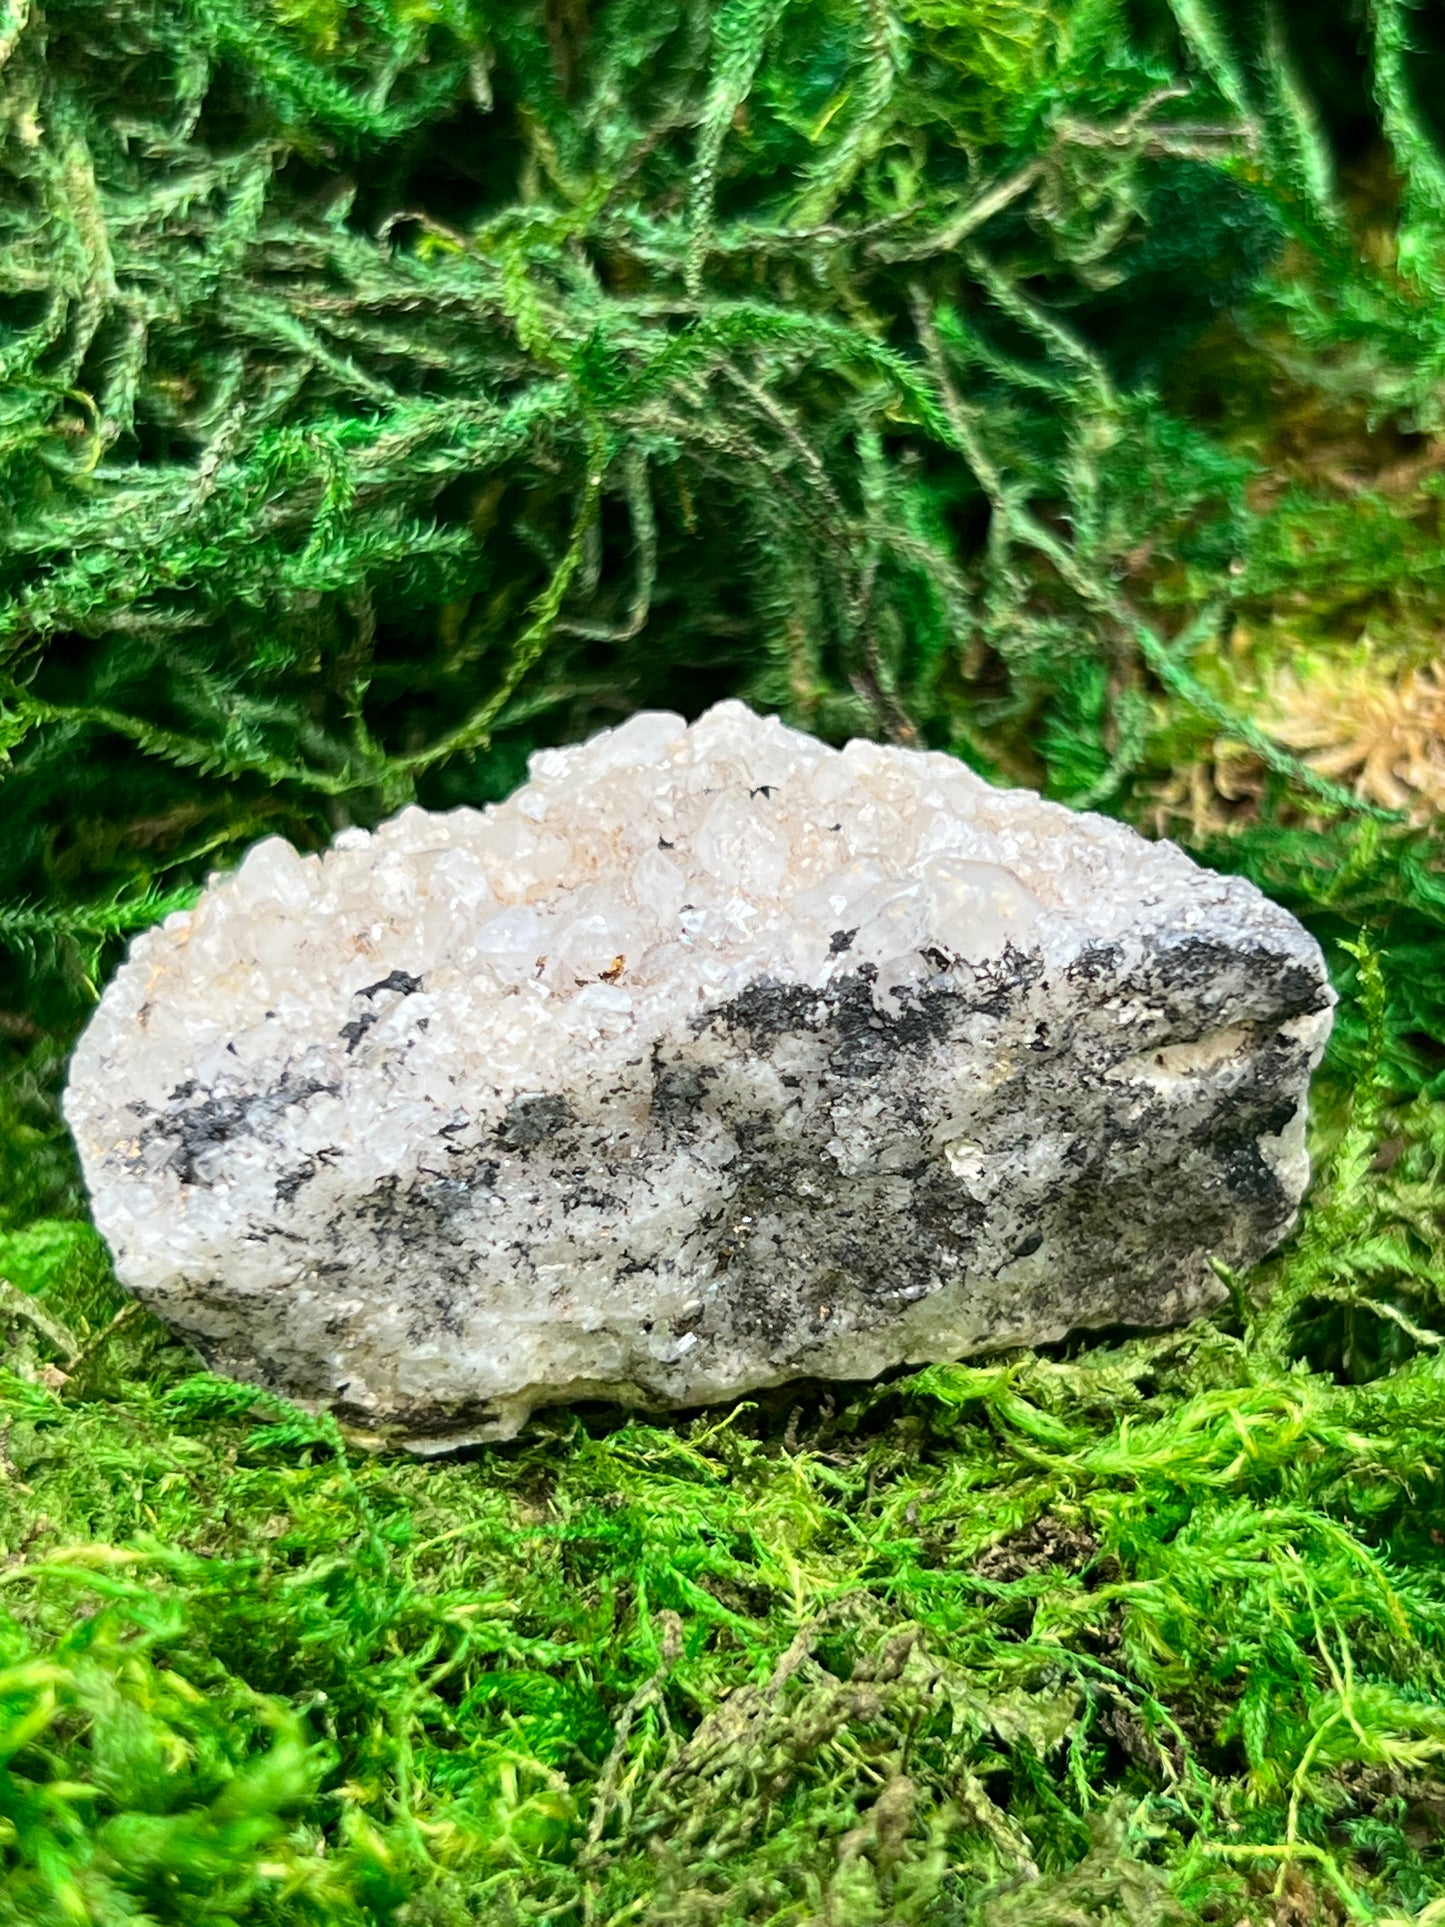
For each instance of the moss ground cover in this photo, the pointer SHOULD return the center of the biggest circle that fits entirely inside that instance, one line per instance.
(392, 387)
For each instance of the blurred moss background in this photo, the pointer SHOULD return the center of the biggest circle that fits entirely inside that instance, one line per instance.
(392, 387)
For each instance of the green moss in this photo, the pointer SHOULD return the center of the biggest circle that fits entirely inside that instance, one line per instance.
(392, 388)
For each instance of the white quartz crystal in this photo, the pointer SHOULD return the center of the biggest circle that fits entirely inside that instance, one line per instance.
(711, 1058)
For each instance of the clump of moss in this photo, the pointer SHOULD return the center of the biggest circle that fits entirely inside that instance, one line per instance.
(394, 387)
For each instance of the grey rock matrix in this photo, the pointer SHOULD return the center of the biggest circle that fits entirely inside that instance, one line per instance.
(711, 1058)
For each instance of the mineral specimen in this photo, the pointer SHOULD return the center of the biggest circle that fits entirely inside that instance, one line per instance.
(712, 1058)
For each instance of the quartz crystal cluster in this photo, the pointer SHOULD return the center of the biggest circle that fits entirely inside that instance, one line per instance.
(711, 1058)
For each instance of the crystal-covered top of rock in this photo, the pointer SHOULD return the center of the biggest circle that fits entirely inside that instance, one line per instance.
(635, 878)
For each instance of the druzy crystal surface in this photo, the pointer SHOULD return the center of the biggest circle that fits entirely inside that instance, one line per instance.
(711, 1058)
